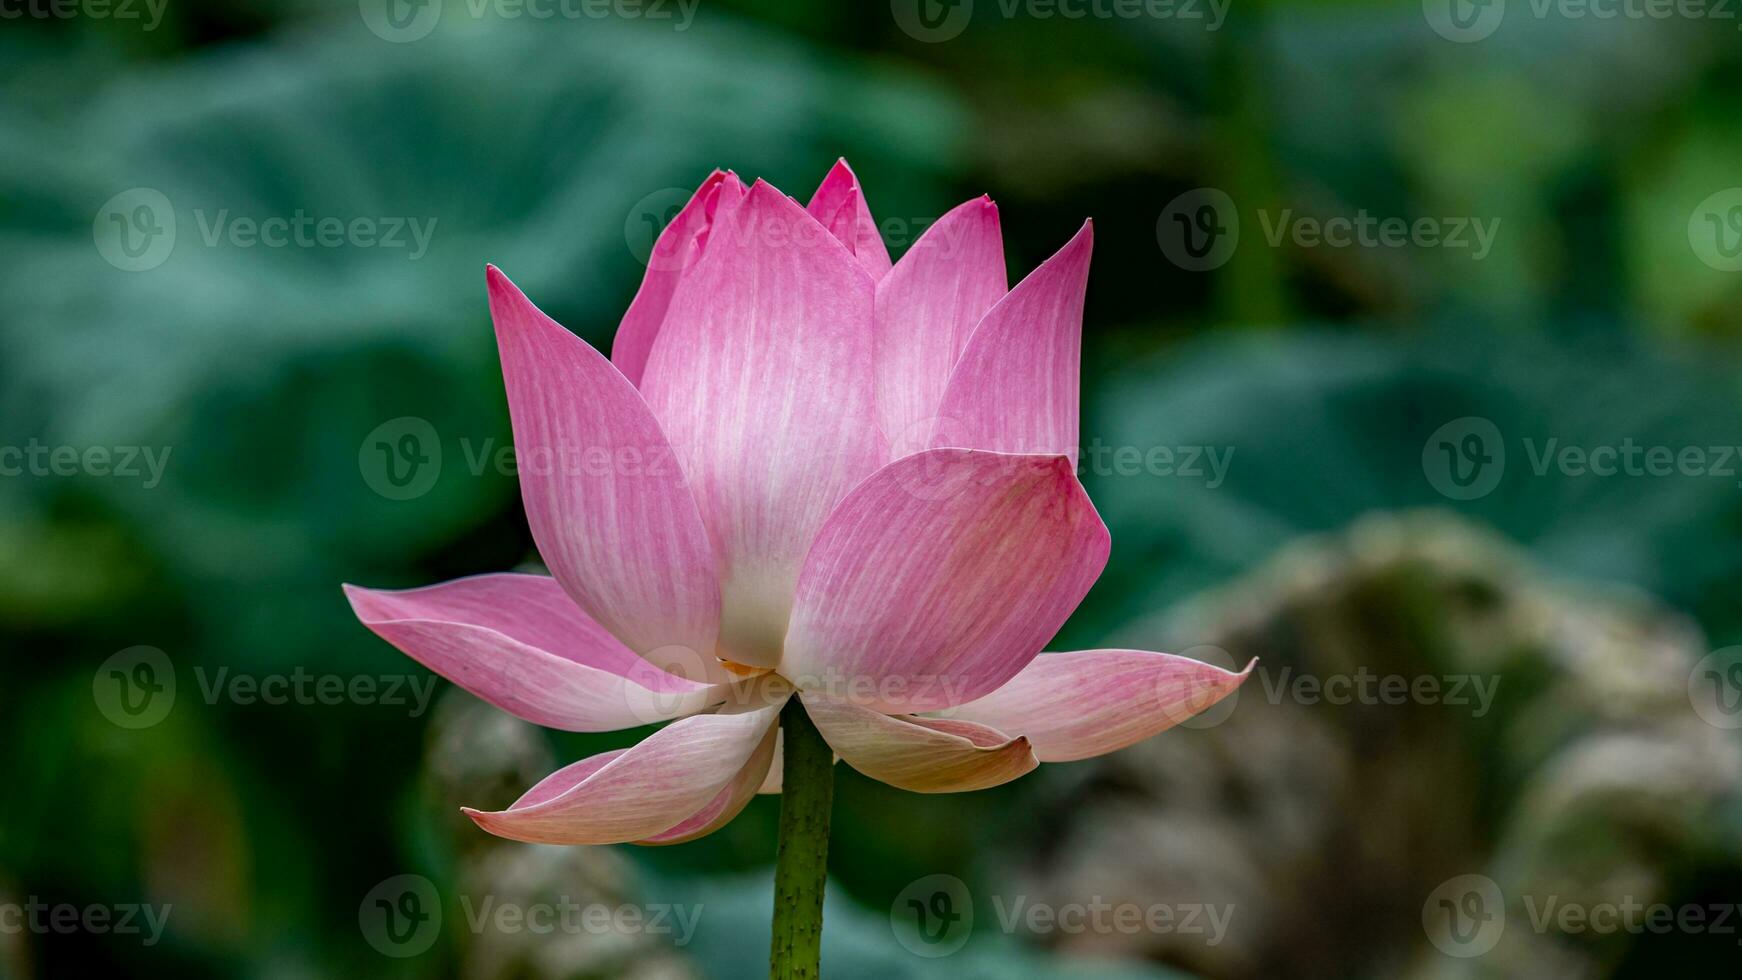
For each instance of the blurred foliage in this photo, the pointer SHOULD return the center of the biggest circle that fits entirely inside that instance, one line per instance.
(544, 148)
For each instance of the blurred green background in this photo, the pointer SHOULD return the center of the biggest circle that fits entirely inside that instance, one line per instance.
(1341, 382)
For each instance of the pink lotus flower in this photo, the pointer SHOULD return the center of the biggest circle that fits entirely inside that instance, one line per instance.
(804, 472)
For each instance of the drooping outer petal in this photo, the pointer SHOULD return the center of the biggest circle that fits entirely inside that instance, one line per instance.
(839, 205)
(1084, 704)
(640, 792)
(728, 802)
(1015, 388)
(520, 643)
(604, 493)
(675, 251)
(924, 755)
(940, 577)
(762, 376)
(926, 308)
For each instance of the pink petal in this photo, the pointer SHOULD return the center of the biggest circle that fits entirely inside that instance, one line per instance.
(1015, 387)
(940, 577)
(640, 792)
(763, 376)
(520, 643)
(675, 251)
(839, 205)
(924, 755)
(1078, 705)
(604, 492)
(926, 308)
(729, 802)
(776, 767)
(772, 783)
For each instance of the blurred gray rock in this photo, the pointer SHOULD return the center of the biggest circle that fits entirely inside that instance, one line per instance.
(1334, 831)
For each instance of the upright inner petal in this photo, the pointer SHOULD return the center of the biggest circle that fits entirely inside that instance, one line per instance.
(762, 378)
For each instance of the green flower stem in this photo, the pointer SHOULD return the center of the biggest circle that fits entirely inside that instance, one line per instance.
(801, 864)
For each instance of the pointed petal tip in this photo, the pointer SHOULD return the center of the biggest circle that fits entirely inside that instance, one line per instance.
(499, 286)
(486, 820)
(363, 601)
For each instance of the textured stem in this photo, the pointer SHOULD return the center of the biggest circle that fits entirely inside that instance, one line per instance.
(807, 791)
